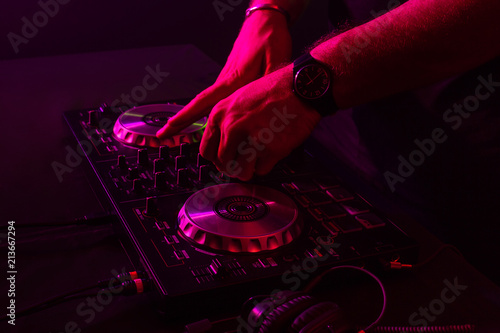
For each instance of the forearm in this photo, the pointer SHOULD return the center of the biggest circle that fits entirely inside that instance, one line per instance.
(418, 43)
(293, 7)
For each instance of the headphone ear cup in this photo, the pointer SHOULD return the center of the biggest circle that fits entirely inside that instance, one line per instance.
(317, 317)
(280, 318)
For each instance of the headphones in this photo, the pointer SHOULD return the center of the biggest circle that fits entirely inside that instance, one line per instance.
(293, 312)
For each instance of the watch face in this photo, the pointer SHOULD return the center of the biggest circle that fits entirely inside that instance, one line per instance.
(311, 81)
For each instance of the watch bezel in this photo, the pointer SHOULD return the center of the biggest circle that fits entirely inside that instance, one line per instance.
(325, 90)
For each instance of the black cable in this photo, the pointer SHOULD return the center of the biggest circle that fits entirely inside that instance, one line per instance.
(398, 265)
(429, 329)
(129, 287)
(52, 302)
(41, 307)
(89, 220)
(436, 253)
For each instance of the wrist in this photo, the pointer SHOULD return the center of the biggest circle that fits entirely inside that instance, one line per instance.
(294, 8)
(267, 7)
(330, 53)
(272, 17)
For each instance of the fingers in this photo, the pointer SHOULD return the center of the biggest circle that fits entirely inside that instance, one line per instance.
(209, 144)
(198, 108)
(228, 154)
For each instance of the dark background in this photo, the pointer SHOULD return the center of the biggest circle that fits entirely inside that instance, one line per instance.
(88, 53)
(89, 26)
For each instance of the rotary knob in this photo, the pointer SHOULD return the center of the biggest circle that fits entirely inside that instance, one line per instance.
(159, 165)
(180, 162)
(204, 174)
(151, 207)
(161, 181)
(142, 157)
(121, 162)
(182, 177)
(105, 108)
(184, 149)
(133, 173)
(137, 186)
(200, 160)
(93, 118)
(165, 152)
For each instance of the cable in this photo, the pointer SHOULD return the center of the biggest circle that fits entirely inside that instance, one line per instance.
(436, 253)
(317, 279)
(132, 283)
(398, 265)
(90, 220)
(429, 329)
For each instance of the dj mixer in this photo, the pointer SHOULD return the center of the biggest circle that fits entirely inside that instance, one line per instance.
(200, 234)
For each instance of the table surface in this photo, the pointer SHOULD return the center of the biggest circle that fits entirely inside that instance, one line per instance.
(35, 92)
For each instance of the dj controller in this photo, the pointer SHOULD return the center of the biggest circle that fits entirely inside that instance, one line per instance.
(200, 234)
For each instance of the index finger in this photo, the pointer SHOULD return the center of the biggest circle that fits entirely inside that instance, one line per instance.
(196, 109)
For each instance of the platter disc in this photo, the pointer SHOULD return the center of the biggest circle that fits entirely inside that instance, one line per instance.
(240, 218)
(138, 126)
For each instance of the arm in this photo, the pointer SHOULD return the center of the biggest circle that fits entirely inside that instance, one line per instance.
(263, 45)
(416, 44)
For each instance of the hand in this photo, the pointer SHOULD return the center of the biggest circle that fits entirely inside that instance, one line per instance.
(258, 125)
(263, 44)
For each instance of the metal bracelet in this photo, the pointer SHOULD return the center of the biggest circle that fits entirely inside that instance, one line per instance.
(250, 10)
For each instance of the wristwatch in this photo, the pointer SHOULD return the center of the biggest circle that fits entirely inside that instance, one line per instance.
(312, 84)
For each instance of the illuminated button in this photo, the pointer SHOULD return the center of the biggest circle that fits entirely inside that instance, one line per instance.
(332, 228)
(318, 198)
(180, 254)
(356, 206)
(315, 212)
(331, 210)
(159, 226)
(304, 185)
(170, 239)
(340, 194)
(326, 182)
(347, 224)
(370, 220)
